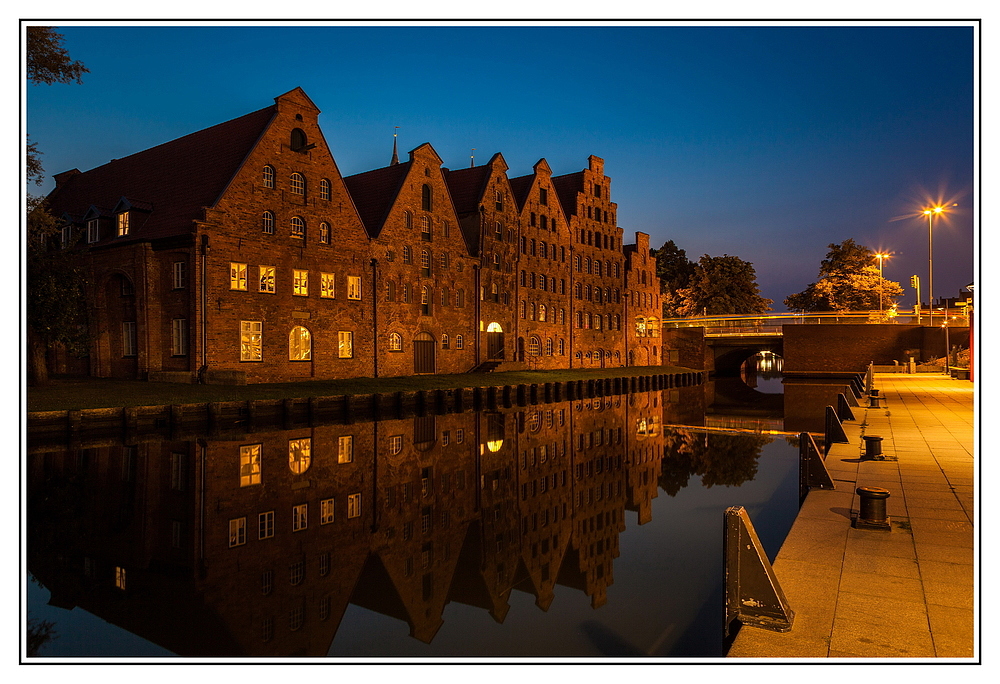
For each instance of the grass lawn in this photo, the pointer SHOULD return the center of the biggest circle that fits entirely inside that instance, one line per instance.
(65, 393)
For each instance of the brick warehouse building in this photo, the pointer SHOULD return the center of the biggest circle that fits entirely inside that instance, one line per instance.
(240, 254)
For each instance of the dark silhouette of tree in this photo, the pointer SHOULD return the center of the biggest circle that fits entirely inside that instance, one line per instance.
(720, 286)
(718, 459)
(848, 280)
(674, 270)
(40, 632)
(56, 282)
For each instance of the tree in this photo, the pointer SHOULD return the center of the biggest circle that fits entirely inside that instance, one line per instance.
(48, 61)
(56, 279)
(674, 270)
(55, 295)
(848, 280)
(721, 286)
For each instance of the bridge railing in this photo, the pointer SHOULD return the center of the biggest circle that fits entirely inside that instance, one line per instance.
(772, 323)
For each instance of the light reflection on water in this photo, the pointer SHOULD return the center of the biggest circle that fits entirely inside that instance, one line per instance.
(572, 529)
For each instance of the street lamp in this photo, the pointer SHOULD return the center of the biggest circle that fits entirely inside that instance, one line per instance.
(931, 212)
(880, 258)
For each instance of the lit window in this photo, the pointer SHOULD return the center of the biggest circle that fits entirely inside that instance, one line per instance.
(93, 231)
(395, 342)
(445, 342)
(266, 280)
(251, 341)
(298, 184)
(541, 312)
(326, 285)
(395, 444)
(267, 223)
(129, 340)
(250, 464)
(354, 287)
(324, 233)
(237, 276)
(237, 532)
(345, 449)
(179, 337)
(299, 455)
(325, 517)
(123, 224)
(300, 282)
(324, 189)
(354, 505)
(298, 227)
(459, 342)
(534, 346)
(345, 344)
(120, 577)
(265, 526)
(179, 275)
(407, 255)
(268, 176)
(300, 517)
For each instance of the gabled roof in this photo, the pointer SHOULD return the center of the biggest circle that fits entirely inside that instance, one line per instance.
(374, 192)
(174, 181)
(466, 187)
(521, 187)
(567, 187)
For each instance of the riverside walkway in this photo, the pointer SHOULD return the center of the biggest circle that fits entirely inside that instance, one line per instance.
(903, 593)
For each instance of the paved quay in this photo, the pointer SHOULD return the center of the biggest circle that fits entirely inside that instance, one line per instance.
(908, 592)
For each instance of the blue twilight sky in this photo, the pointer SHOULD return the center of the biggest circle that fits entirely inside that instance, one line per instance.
(763, 142)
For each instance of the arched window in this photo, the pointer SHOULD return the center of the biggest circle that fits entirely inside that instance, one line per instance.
(541, 313)
(408, 219)
(299, 344)
(298, 140)
(395, 342)
(298, 227)
(426, 199)
(533, 311)
(562, 316)
(425, 263)
(407, 255)
(576, 262)
(390, 291)
(562, 347)
(653, 327)
(578, 290)
(324, 233)
(324, 189)
(534, 346)
(459, 342)
(267, 223)
(425, 227)
(445, 341)
(587, 265)
(598, 268)
(298, 184)
(267, 176)
(640, 326)
(579, 319)
(426, 300)
(299, 455)
(495, 292)
(543, 250)
(406, 293)
(548, 346)
(597, 321)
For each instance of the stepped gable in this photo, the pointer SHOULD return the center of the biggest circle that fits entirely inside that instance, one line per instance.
(374, 192)
(175, 180)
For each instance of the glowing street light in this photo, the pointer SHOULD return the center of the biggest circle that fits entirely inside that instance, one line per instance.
(880, 258)
(931, 212)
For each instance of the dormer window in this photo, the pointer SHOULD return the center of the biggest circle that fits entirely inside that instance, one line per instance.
(123, 224)
(267, 176)
(93, 231)
(298, 184)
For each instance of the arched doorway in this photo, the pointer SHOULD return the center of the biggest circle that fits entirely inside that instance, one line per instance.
(494, 341)
(423, 353)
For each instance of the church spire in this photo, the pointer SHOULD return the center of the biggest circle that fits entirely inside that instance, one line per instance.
(395, 153)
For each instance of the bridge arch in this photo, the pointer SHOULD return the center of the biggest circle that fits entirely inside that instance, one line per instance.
(729, 358)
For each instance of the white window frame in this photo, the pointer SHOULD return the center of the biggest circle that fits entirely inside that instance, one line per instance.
(354, 287)
(297, 183)
(300, 517)
(345, 344)
(237, 276)
(354, 505)
(130, 346)
(250, 464)
(237, 532)
(251, 341)
(265, 525)
(345, 449)
(267, 223)
(324, 189)
(179, 275)
(179, 337)
(267, 176)
(326, 514)
(93, 231)
(266, 279)
(300, 282)
(327, 285)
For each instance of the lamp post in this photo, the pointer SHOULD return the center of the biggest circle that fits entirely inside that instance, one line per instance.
(880, 258)
(930, 213)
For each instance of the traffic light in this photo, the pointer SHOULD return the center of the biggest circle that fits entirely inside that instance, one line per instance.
(914, 281)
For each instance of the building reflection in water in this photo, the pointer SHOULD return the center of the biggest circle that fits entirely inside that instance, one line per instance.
(257, 543)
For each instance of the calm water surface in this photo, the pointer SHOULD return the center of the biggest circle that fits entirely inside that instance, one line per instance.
(588, 528)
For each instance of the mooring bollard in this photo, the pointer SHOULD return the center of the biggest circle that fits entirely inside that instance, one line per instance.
(871, 512)
(873, 399)
(873, 448)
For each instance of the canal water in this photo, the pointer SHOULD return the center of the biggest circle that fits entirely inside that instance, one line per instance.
(590, 528)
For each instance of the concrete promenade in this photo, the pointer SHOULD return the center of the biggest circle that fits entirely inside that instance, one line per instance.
(903, 593)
